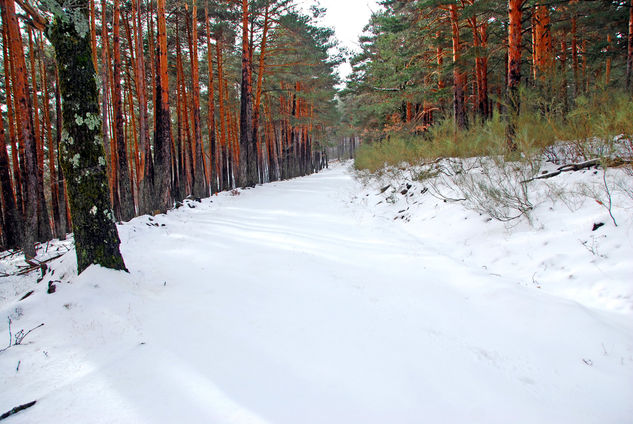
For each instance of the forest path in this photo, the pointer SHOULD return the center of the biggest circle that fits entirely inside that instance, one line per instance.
(289, 304)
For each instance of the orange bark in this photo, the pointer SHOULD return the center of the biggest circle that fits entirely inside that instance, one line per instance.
(17, 175)
(213, 152)
(542, 41)
(93, 35)
(25, 127)
(515, 13)
(459, 77)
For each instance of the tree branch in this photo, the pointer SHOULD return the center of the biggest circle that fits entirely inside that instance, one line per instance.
(39, 22)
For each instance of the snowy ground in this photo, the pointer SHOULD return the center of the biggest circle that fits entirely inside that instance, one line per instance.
(307, 302)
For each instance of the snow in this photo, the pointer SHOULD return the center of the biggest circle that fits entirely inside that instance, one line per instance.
(305, 301)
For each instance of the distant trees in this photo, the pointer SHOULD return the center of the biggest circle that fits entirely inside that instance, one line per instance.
(558, 50)
(183, 111)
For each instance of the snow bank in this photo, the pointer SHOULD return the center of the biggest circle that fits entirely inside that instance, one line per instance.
(306, 302)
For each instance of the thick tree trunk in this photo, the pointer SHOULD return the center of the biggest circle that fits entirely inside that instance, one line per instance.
(248, 150)
(126, 197)
(82, 153)
(25, 127)
(162, 134)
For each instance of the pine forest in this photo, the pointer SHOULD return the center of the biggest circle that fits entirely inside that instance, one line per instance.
(316, 211)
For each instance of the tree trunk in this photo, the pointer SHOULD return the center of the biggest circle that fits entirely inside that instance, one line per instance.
(146, 171)
(93, 35)
(213, 151)
(52, 163)
(199, 185)
(459, 77)
(162, 133)
(574, 55)
(10, 215)
(43, 222)
(185, 144)
(82, 153)
(222, 128)
(247, 175)
(563, 69)
(260, 79)
(515, 13)
(126, 197)
(17, 175)
(64, 221)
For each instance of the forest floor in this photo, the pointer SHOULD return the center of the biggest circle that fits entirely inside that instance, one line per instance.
(316, 300)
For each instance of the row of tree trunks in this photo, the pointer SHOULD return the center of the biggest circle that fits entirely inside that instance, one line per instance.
(238, 137)
(26, 133)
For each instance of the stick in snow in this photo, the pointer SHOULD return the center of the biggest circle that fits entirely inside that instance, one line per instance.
(16, 410)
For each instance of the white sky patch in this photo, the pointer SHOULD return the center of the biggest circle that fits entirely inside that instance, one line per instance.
(348, 18)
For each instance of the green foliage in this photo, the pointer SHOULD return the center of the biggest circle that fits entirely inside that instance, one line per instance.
(591, 126)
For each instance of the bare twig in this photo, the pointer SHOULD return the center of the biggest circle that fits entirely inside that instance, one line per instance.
(19, 336)
(10, 337)
(608, 192)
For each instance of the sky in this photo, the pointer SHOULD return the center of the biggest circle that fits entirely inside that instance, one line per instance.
(347, 17)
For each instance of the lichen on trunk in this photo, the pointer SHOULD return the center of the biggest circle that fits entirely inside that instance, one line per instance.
(81, 150)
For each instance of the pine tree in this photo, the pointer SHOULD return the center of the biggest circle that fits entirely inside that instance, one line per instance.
(82, 153)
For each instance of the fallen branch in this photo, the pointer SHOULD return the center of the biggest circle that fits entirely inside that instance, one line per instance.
(35, 265)
(565, 168)
(16, 410)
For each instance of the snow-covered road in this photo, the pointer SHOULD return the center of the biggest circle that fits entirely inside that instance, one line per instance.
(291, 304)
